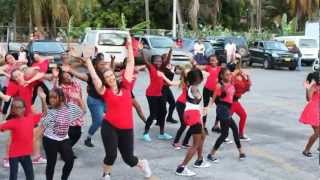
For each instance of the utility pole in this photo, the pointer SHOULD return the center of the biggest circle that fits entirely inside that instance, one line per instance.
(146, 3)
(174, 20)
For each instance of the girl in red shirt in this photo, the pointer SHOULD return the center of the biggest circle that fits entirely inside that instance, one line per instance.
(21, 126)
(156, 100)
(225, 92)
(180, 106)
(117, 127)
(310, 114)
(212, 69)
(242, 84)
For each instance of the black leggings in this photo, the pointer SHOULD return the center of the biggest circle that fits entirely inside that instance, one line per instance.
(6, 104)
(74, 134)
(35, 92)
(121, 139)
(207, 94)
(158, 111)
(26, 165)
(52, 148)
(226, 122)
(168, 95)
(180, 109)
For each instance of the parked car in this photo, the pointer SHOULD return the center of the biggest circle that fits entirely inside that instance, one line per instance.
(188, 45)
(271, 54)
(158, 45)
(308, 47)
(241, 43)
(46, 48)
(108, 42)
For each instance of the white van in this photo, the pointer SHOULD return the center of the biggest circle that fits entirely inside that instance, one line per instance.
(308, 46)
(108, 42)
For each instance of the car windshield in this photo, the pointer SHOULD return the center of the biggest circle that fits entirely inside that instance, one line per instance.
(54, 47)
(307, 43)
(239, 41)
(276, 46)
(161, 42)
(112, 39)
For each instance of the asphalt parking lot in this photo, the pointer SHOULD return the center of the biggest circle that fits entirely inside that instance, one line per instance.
(273, 105)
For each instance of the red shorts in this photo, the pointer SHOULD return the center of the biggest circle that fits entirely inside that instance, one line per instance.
(191, 117)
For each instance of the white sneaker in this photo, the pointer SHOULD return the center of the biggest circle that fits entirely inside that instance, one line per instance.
(201, 164)
(245, 139)
(39, 160)
(146, 168)
(6, 163)
(185, 172)
(106, 177)
(228, 141)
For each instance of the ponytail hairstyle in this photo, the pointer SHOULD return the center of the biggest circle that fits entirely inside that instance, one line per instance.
(220, 81)
(183, 75)
(194, 77)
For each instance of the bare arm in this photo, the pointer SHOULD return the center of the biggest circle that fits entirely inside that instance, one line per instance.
(168, 81)
(167, 60)
(128, 73)
(145, 60)
(44, 106)
(81, 76)
(38, 76)
(100, 88)
(4, 97)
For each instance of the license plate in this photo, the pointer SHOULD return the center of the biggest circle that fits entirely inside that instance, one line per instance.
(287, 59)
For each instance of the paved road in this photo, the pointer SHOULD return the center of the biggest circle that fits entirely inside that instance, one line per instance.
(274, 104)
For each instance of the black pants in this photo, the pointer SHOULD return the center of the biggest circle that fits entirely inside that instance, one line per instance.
(6, 105)
(158, 111)
(52, 148)
(121, 139)
(207, 94)
(180, 109)
(226, 122)
(35, 92)
(26, 163)
(74, 134)
(168, 95)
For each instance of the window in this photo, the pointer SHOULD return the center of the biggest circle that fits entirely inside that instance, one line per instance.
(308, 43)
(91, 38)
(112, 39)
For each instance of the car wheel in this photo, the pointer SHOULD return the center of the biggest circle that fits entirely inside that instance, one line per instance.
(293, 67)
(267, 64)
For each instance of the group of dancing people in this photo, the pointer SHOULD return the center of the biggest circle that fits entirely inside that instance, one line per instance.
(110, 101)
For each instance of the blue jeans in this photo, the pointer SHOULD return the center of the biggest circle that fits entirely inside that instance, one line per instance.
(97, 108)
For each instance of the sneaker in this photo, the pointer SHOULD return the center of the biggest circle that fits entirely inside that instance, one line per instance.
(6, 163)
(146, 138)
(173, 121)
(164, 136)
(307, 154)
(185, 146)
(212, 158)
(39, 160)
(228, 141)
(216, 130)
(146, 168)
(88, 142)
(242, 156)
(244, 139)
(201, 164)
(176, 146)
(106, 177)
(184, 171)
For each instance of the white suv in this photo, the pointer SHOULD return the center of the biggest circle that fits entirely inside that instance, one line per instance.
(108, 42)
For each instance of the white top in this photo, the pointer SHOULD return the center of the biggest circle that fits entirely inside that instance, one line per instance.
(198, 48)
(190, 105)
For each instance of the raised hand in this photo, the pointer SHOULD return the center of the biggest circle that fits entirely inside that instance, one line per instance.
(41, 93)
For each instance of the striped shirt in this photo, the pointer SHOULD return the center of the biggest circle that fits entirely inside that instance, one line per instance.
(57, 121)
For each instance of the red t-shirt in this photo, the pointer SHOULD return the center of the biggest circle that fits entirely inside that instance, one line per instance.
(230, 91)
(21, 133)
(241, 85)
(156, 82)
(43, 66)
(119, 107)
(183, 96)
(212, 79)
(25, 92)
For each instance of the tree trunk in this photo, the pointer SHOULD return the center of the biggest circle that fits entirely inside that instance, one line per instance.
(215, 12)
(193, 14)
(180, 20)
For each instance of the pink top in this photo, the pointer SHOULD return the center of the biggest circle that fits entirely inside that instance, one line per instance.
(230, 91)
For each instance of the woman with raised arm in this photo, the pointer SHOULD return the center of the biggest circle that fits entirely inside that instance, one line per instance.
(95, 102)
(117, 127)
(155, 97)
